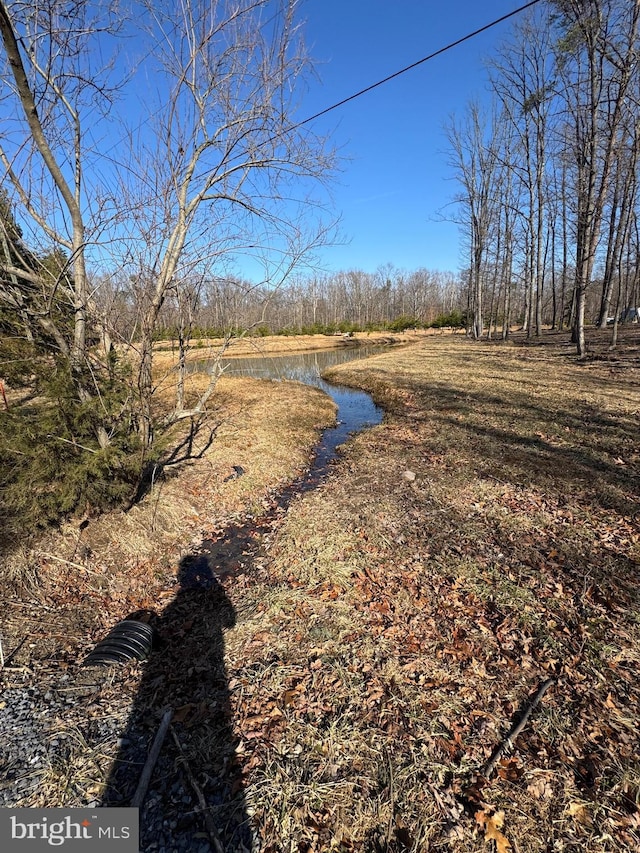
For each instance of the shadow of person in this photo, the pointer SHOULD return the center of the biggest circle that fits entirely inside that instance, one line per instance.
(186, 673)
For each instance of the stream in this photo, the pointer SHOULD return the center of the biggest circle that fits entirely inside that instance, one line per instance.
(356, 409)
(239, 544)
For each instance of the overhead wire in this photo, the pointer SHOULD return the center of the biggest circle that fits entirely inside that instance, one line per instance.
(413, 65)
(366, 89)
(377, 84)
(384, 80)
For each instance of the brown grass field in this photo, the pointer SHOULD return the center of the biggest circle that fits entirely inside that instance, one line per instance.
(399, 619)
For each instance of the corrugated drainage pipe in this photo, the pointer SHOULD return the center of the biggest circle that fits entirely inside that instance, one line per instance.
(127, 640)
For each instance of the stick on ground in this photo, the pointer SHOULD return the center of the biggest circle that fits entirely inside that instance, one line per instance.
(212, 831)
(154, 752)
(515, 730)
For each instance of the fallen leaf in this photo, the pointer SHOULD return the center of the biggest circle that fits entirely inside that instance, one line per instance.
(492, 824)
(579, 813)
(509, 769)
(540, 788)
(181, 713)
(290, 696)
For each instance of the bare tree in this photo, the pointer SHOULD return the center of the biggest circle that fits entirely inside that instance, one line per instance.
(475, 147)
(522, 76)
(50, 81)
(221, 175)
(597, 58)
(212, 167)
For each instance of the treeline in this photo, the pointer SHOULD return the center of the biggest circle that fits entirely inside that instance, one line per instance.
(454, 320)
(549, 198)
(349, 301)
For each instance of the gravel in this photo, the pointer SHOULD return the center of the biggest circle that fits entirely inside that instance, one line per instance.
(47, 731)
(27, 747)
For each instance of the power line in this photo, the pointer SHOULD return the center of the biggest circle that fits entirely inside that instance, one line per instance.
(350, 98)
(410, 67)
(373, 86)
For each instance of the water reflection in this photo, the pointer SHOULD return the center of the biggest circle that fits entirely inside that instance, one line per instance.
(304, 367)
(356, 409)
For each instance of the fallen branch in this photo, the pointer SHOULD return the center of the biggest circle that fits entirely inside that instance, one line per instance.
(73, 443)
(515, 730)
(212, 831)
(67, 563)
(7, 661)
(150, 763)
(392, 805)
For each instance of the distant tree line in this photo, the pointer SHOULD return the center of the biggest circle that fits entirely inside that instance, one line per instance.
(340, 302)
(549, 198)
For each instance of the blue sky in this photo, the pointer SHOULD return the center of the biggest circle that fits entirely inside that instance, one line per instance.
(396, 184)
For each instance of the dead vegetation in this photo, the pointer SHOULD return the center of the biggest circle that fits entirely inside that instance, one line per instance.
(400, 619)
(481, 542)
(93, 571)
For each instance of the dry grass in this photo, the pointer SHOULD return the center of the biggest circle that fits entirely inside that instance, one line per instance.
(412, 615)
(77, 582)
(483, 539)
(122, 561)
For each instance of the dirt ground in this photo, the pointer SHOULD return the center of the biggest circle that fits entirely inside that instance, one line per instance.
(468, 565)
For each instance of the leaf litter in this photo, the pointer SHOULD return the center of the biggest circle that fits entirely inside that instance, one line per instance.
(393, 627)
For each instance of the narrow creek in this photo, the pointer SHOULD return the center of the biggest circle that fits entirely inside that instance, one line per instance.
(238, 545)
(188, 669)
(356, 409)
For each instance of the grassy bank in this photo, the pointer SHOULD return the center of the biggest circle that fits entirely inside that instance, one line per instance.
(274, 344)
(165, 352)
(480, 542)
(92, 572)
